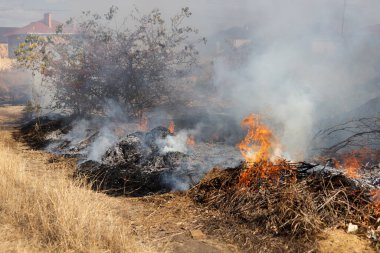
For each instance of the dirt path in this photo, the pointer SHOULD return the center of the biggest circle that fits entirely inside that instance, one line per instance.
(166, 223)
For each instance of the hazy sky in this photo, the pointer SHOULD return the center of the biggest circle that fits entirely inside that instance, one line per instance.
(22, 12)
(208, 15)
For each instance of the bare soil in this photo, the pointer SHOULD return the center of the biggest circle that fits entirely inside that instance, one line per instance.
(165, 223)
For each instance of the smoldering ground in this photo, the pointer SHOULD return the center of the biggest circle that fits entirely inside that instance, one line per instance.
(308, 62)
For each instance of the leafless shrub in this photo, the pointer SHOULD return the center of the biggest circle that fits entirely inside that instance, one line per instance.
(353, 134)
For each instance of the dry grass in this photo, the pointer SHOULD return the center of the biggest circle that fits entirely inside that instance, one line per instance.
(6, 64)
(54, 214)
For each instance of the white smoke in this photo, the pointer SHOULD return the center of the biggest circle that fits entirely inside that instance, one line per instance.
(174, 143)
(311, 60)
(179, 141)
(106, 139)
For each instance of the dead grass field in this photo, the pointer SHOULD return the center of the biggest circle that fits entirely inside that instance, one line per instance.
(39, 214)
(43, 210)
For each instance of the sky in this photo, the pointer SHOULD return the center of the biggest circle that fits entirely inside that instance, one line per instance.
(22, 12)
(208, 15)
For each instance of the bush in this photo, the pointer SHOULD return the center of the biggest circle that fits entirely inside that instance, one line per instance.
(140, 68)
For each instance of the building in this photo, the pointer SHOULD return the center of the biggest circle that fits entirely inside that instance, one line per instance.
(4, 40)
(14, 36)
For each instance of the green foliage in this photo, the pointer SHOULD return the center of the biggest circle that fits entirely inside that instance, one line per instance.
(33, 54)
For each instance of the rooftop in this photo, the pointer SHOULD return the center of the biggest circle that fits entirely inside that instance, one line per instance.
(45, 26)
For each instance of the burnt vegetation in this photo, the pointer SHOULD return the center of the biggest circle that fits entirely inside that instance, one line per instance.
(271, 204)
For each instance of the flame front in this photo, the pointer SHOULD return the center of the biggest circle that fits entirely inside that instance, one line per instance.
(256, 145)
(257, 149)
(352, 166)
(352, 162)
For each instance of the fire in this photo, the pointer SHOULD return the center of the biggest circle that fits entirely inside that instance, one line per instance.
(352, 166)
(190, 140)
(171, 127)
(352, 162)
(256, 145)
(144, 124)
(257, 149)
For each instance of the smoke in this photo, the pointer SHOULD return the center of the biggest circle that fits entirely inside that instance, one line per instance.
(309, 63)
(179, 142)
(311, 60)
(174, 143)
(91, 137)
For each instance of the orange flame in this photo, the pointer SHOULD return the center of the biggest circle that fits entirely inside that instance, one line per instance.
(171, 127)
(190, 140)
(352, 162)
(352, 166)
(257, 148)
(144, 124)
(256, 145)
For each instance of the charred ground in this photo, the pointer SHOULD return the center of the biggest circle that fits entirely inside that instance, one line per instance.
(290, 215)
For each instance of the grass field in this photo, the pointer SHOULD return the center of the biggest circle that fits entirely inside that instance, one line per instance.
(39, 214)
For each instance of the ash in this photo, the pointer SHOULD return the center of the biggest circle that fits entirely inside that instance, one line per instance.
(137, 164)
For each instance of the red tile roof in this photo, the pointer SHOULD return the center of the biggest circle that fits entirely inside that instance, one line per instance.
(39, 27)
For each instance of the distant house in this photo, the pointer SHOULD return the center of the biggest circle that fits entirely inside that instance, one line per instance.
(45, 27)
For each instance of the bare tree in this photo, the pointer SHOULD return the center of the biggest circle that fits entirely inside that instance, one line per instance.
(350, 135)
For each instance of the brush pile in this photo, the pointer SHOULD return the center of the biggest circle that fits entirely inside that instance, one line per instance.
(294, 209)
(135, 166)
